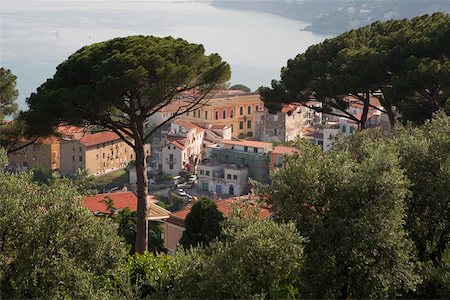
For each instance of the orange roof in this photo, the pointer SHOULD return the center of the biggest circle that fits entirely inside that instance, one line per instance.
(254, 144)
(99, 138)
(285, 150)
(289, 108)
(120, 201)
(188, 125)
(67, 130)
(223, 205)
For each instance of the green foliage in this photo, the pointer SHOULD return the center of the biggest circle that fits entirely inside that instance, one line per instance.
(240, 87)
(118, 84)
(404, 62)
(151, 274)
(51, 246)
(423, 153)
(128, 229)
(8, 94)
(203, 224)
(353, 213)
(260, 261)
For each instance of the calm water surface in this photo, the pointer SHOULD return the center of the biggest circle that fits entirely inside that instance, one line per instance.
(35, 36)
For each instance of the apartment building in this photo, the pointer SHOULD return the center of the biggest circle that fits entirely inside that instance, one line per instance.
(228, 179)
(45, 152)
(251, 154)
(278, 154)
(97, 153)
(236, 111)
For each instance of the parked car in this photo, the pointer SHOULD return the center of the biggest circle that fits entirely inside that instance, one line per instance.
(192, 179)
(177, 192)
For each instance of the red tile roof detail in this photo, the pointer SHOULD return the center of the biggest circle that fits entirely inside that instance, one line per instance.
(120, 200)
(254, 144)
(99, 138)
(225, 206)
(67, 130)
(188, 125)
(285, 150)
(289, 108)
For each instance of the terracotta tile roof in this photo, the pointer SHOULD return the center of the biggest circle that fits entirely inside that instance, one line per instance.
(188, 125)
(99, 138)
(254, 144)
(289, 108)
(285, 150)
(66, 130)
(225, 206)
(120, 200)
(177, 141)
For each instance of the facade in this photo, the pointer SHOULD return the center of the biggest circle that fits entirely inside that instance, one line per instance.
(223, 179)
(287, 124)
(236, 111)
(97, 153)
(173, 156)
(278, 154)
(43, 153)
(251, 154)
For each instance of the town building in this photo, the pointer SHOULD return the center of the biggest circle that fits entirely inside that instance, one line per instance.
(251, 154)
(223, 179)
(97, 153)
(45, 152)
(278, 154)
(236, 111)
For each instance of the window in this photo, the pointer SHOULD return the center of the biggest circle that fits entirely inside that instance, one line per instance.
(171, 167)
(231, 113)
(171, 157)
(187, 114)
(207, 173)
(96, 156)
(202, 172)
(351, 129)
(255, 150)
(73, 157)
(198, 114)
(168, 147)
(249, 124)
(228, 176)
(245, 149)
(241, 125)
(234, 177)
(80, 158)
(344, 128)
(249, 109)
(131, 156)
(206, 114)
(216, 115)
(103, 155)
(257, 107)
(241, 110)
(275, 131)
(224, 114)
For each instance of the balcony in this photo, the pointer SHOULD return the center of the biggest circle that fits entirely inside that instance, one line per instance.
(171, 161)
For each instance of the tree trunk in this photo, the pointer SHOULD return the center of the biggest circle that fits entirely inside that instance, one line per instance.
(391, 116)
(142, 193)
(365, 111)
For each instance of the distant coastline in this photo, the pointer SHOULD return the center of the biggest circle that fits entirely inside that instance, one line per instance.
(335, 17)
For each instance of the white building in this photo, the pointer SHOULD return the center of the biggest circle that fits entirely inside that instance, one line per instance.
(223, 179)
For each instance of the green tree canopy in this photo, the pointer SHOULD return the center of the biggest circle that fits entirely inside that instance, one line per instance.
(51, 246)
(424, 155)
(203, 224)
(402, 62)
(119, 84)
(8, 94)
(352, 212)
(240, 87)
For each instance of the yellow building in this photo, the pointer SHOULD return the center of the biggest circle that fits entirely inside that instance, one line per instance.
(45, 152)
(97, 153)
(236, 111)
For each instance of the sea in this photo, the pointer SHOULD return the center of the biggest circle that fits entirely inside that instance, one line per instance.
(36, 36)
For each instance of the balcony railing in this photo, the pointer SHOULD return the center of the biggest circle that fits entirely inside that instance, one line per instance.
(171, 161)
